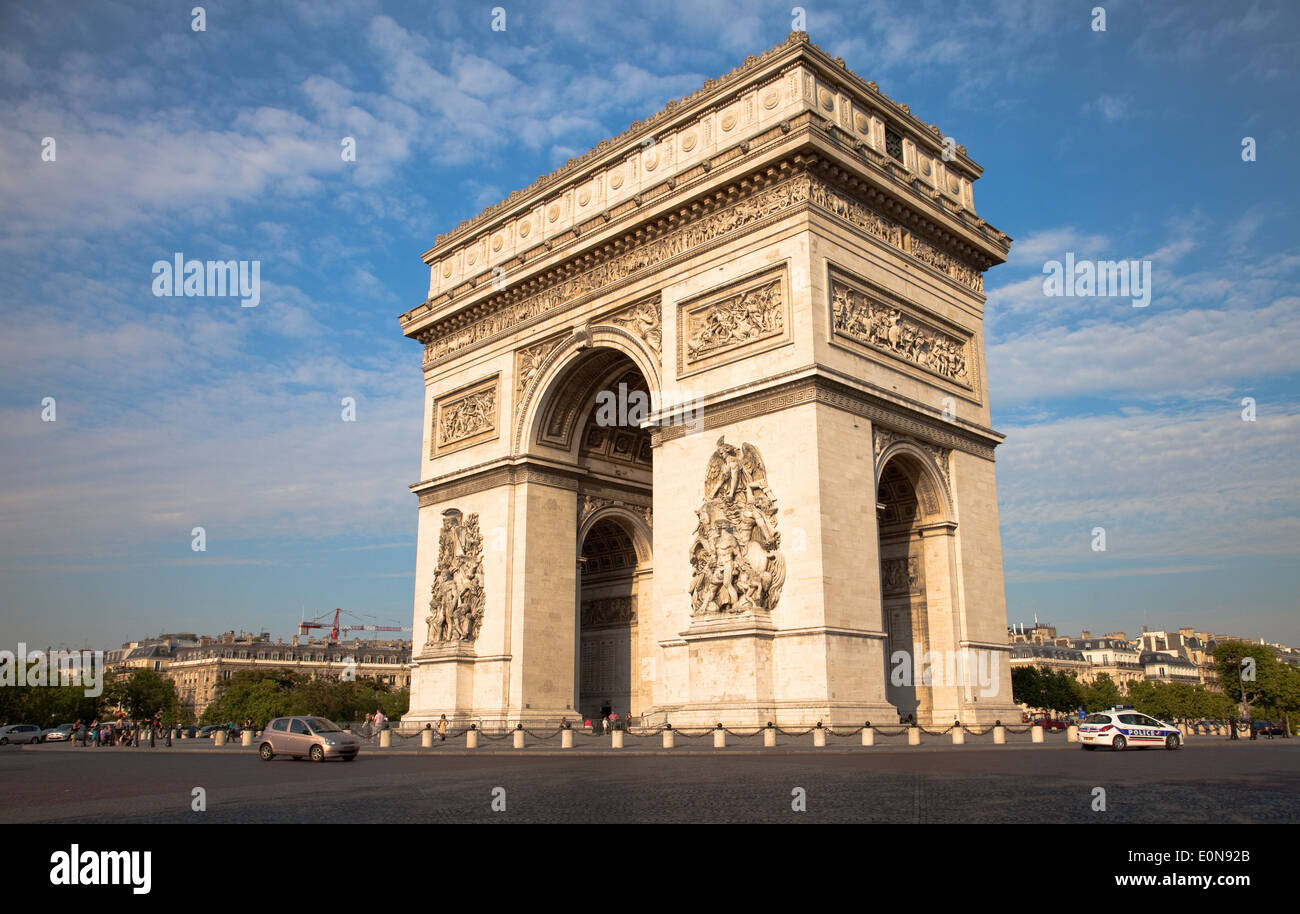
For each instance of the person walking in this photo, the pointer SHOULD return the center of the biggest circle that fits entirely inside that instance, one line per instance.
(380, 720)
(442, 727)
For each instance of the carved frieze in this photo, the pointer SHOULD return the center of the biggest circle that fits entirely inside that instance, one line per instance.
(867, 218)
(872, 320)
(445, 339)
(900, 576)
(465, 418)
(457, 595)
(608, 611)
(749, 317)
(736, 554)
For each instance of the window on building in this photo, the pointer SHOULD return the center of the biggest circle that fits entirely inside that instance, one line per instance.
(894, 144)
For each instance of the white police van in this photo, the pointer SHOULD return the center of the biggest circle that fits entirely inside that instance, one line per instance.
(1121, 727)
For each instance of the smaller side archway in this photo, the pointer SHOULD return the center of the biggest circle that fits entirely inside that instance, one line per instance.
(914, 521)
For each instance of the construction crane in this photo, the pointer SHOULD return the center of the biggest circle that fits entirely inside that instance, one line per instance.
(304, 625)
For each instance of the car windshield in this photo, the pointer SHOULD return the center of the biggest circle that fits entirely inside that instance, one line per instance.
(321, 725)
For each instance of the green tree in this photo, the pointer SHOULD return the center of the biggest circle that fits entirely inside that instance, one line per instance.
(144, 693)
(1102, 693)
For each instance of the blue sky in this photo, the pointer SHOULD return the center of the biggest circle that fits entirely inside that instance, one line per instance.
(224, 144)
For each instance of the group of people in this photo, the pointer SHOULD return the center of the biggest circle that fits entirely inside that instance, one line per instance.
(121, 732)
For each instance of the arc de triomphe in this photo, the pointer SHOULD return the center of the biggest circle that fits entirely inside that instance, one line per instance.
(707, 425)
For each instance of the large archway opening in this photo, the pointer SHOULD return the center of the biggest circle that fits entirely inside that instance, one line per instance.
(594, 418)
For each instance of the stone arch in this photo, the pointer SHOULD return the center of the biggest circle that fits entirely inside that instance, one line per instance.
(922, 469)
(632, 521)
(556, 366)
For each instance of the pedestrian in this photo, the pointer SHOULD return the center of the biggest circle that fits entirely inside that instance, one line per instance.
(613, 720)
(380, 720)
(368, 727)
(442, 727)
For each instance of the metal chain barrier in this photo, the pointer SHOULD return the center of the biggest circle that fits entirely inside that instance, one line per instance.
(846, 733)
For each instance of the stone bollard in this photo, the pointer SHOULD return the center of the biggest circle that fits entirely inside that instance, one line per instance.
(1036, 734)
(566, 738)
(616, 739)
(719, 738)
(670, 738)
(819, 736)
(519, 736)
(769, 736)
(471, 737)
(914, 736)
(426, 739)
(999, 734)
(385, 738)
(185, 734)
(246, 738)
(219, 737)
(868, 735)
(958, 734)
(1072, 734)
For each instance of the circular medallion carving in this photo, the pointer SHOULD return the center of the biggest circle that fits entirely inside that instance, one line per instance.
(827, 100)
(524, 229)
(688, 142)
(651, 162)
(954, 185)
(925, 166)
(584, 197)
(771, 98)
(862, 124)
(497, 242)
(552, 212)
(472, 258)
(728, 122)
(446, 270)
(616, 180)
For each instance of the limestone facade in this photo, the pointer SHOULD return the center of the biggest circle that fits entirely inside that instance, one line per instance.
(801, 525)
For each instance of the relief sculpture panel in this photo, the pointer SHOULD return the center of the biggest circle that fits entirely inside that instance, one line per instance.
(745, 319)
(465, 418)
(863, 317)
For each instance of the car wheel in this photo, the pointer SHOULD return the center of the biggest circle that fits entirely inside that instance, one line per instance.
(317, 754)
(1172, 742)
(1118, 744)
(266, 752)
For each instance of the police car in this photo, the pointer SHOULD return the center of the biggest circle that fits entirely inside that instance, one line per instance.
(1121, 727)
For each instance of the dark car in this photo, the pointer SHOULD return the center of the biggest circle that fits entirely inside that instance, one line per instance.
(1265, 728)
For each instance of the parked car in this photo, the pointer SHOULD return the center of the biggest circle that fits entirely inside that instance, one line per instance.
(1048, 723)
(1266, 728)
(307, 737)
(19, 734)
(61, 733)
(189, 731)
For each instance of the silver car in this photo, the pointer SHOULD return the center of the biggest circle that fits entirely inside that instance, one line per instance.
(19, 734)
(307, 737)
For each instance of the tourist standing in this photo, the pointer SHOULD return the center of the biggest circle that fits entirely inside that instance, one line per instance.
(442, 727)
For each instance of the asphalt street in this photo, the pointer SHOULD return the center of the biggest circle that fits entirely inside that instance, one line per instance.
(1209, 781)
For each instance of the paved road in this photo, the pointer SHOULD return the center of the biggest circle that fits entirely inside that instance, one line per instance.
(1210, 781)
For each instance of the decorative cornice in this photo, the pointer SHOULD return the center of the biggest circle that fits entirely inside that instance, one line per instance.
(712, 89)
(820, 389)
